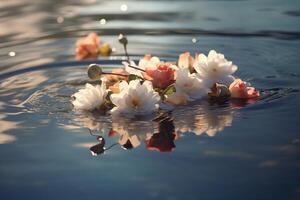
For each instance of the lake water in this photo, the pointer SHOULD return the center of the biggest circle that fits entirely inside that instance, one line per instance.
(206, 150)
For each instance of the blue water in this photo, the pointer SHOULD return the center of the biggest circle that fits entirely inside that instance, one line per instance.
(222, 150)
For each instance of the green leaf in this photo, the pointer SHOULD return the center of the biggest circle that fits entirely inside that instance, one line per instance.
(132, 77)
(169, 90)
(108, 101)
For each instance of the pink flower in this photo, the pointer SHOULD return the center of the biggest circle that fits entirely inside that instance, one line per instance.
(161, 75)
(239, 89)
(186, 61)
(88, 47)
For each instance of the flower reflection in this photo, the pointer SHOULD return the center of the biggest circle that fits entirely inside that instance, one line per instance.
(160, 133)
(131, 132)
(95, 122)
(98, 148)
(163, 140)
(203, 119)
(128, 142)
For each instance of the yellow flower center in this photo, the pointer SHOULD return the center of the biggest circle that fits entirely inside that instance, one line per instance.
(135, 102)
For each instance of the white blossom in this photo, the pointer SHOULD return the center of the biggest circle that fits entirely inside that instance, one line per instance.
(215, 68)
(90, 97)
(135, 98)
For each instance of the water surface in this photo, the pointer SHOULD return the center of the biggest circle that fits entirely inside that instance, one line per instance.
(207, 150)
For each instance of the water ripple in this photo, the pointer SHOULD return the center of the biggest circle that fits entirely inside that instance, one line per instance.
(282, 35)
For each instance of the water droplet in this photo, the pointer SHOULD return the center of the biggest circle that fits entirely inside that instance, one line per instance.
(12, 54)
(102, 21)
(124, 7)
(60, 19)
(194, 40)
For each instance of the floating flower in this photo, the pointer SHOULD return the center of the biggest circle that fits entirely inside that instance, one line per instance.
(135, 98)
(214, 68)
(239, 89)
(190, 84)
(88, 47)
(161, 75)
(148, 61)
(90, 98)
(186, 61)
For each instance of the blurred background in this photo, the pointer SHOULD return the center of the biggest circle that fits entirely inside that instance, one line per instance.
(43, 31)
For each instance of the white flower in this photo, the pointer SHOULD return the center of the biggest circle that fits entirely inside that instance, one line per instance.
(90, 98)
(189, 84)
(135, 98)
(148, 61)
(131, 70)
(214, 68)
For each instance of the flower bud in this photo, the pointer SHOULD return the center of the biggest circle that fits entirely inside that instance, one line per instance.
(94, 71)
(105, 50)
(123, 40)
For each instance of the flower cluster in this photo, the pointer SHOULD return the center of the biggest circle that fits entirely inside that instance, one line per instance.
(143, 88)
